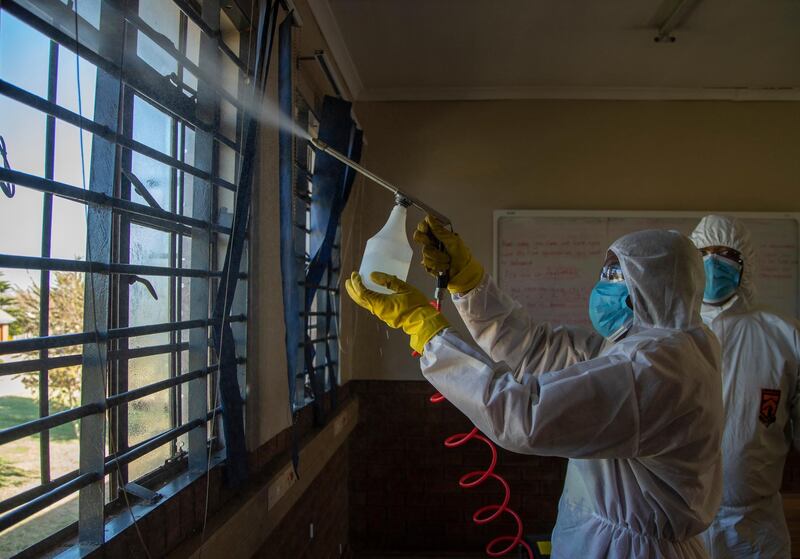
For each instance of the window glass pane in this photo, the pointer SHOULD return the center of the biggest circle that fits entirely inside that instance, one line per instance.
(190, 80)
(155, 177)
(24, 132)
(24, 67)
(88, 10)
(151, 127)
(230, 35)
(156, 57)
(40, 525)
(66, 307)
(164, 18)
(19, 460)
(154, 129)
(193, 34)
(227, 165)
(227, 117)
(13, 285)
(67, 83)
(21, 227)
(64, 448)
(149, 247)
(187, 155)
(19, 471)
(68, 239)
(149, 416)
(229, 74)
(149, 462)
(220, 249)
(67, 155)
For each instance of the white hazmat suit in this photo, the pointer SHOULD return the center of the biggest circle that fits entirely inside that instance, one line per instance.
(640, 420)
(761, 398)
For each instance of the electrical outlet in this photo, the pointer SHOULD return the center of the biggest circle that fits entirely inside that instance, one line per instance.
(280, 486)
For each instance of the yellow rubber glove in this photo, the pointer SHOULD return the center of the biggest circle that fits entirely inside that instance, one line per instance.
(406, 308)
(465, 272)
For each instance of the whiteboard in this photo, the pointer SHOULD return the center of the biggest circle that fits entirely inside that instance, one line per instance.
(550, 260)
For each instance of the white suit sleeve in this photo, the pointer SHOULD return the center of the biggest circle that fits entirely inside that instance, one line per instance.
(587, 410)
(506, 332)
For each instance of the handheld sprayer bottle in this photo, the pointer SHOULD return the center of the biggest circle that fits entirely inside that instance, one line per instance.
(388, 251)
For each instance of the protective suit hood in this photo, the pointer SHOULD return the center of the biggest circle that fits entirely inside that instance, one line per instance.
(722, 230)
(665, 277)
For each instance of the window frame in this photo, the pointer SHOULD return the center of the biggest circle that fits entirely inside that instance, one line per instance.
(107, 269)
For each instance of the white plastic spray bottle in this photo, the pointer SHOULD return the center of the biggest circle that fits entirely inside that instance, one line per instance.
(388, 251)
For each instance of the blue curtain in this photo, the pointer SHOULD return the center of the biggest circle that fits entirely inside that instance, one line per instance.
(331, 185)
(291, 267)
(230, 393)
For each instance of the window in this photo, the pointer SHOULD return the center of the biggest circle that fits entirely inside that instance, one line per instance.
(125, 160)
(321, 321)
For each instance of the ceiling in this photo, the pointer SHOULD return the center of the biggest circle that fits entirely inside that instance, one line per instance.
(484, 49)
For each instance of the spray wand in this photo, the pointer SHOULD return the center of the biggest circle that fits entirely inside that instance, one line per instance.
(325, 148)
(401, 198)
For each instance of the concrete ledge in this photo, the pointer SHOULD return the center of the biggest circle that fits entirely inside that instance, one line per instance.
(241, 528)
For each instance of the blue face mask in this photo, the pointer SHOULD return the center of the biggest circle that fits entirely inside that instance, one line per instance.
(722, 278)
(609, 310)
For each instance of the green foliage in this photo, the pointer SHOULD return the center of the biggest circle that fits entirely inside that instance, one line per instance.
(18, 409)
(66, 317)
(7, 303)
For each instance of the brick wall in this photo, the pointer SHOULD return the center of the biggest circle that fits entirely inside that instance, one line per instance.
(404, 493)
(325, 505)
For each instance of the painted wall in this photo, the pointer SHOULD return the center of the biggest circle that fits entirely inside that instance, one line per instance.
(468, 158)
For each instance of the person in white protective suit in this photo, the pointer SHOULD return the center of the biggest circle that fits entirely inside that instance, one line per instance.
(639, 415)
(761, 396)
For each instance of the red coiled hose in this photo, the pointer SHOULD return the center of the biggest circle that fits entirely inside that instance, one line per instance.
(486, 514)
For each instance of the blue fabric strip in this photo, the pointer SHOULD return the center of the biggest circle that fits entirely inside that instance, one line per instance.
(236, 471)
(295, 331)
(331, 185)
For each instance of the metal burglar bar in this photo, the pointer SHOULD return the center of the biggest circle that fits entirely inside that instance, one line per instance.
(155, 225)
(96, 301)
(200, 253)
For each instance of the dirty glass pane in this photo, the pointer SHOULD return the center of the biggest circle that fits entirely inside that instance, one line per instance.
(149, 247)
(148, 416)
(164, 18)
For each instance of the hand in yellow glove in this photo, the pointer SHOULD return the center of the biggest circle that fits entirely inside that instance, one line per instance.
(444, 251)
(406, 308)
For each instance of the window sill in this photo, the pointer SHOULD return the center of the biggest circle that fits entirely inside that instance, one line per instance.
(121, 521)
